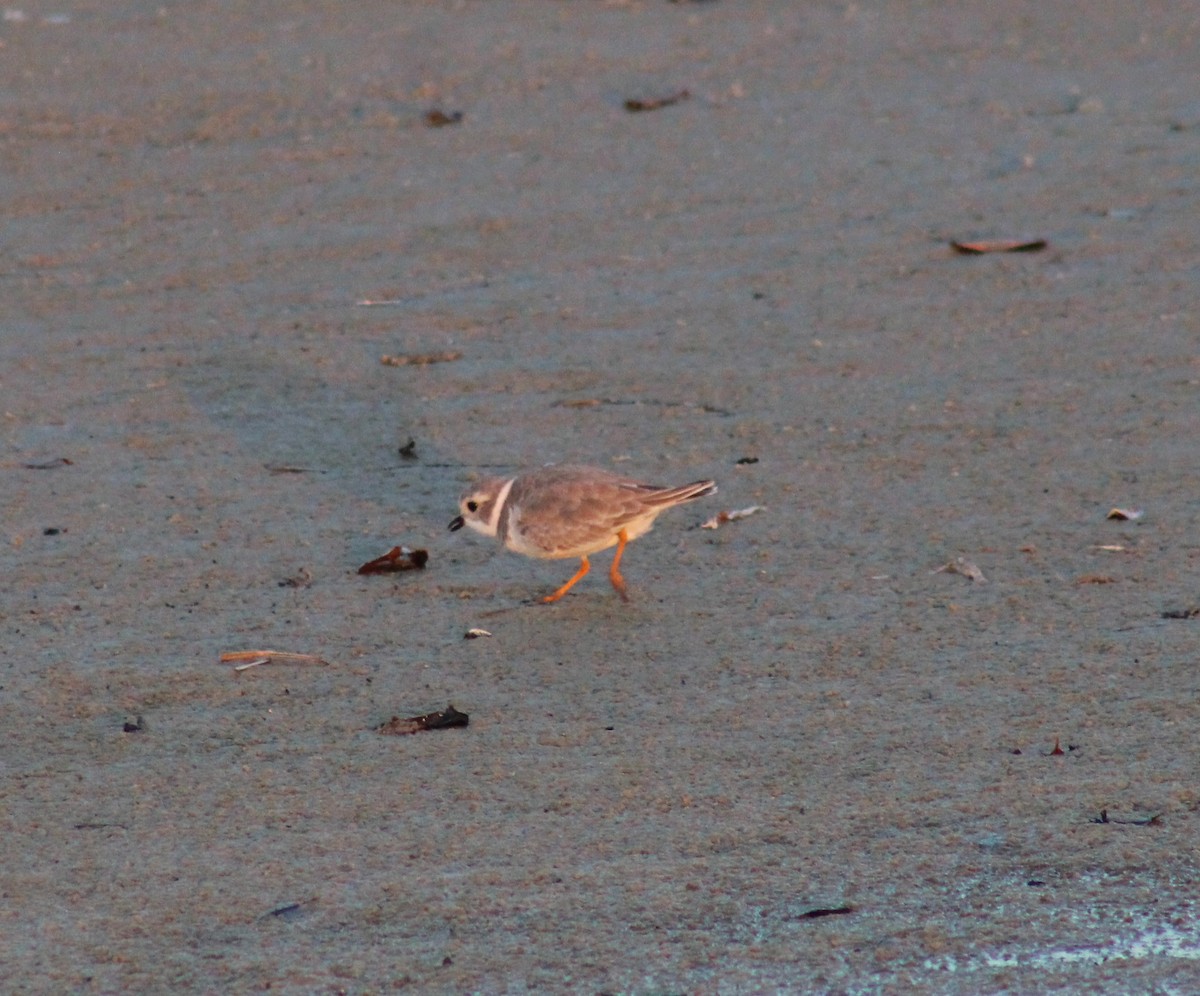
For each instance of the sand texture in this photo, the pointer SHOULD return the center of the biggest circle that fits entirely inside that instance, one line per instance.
(802, 758)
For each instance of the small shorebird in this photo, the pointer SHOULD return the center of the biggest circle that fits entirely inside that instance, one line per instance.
(570, 511)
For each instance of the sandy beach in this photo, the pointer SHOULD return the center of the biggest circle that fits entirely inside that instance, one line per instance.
(805, 756)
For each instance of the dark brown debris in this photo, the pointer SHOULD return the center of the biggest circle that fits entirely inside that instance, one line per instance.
(1139, 821)
(444, 720)
(420, 359)
(398, 558)
(981, 246)
(48, 464)
(435, 117)
(1191, 613)
(409, 450)
(633, 105)
(826, 911)
(1125, 514)
(289, 911)
(136, 726)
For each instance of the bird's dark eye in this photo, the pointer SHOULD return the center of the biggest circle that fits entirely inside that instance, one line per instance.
(472, 506)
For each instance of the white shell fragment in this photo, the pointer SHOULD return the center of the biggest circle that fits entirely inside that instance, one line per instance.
(721, 518)
(960, 565)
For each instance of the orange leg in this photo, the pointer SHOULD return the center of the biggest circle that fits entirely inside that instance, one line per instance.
(583, 569)
(614, 573)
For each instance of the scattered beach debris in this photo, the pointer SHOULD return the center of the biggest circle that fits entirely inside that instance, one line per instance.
(1137, 821)
(1096, 579)
(246, 659)
(732, 515)
(289, 911)
(409, 450)
(1058, 751)
(960, 565)
(398, 558)
(743, 461)
(280, 469)
(447, 719)
(48, 464)
(1125, 514)
(1189, 613)
(420, 359)
(704, 409)
(980, 246)
(301, 579)
(137, 725)
(435, 117)
(633, 105)
(826, 911)
(475, 633)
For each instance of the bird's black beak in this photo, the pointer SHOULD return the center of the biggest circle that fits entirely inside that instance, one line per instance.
(456, 523)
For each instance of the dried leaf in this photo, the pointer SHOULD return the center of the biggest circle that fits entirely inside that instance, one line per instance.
(48, 464)
(634, 105)
(960, 565)
(435, 117)
(981, 246)
(421, 359)
(1137, 821)
(826, 911)
(444, 720)
(398, 558)
(1131, 514)
(257, 657)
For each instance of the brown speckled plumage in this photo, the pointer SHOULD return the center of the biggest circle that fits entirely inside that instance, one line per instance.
(570, 511)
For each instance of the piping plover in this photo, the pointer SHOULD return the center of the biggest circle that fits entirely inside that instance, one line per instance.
(570, 511)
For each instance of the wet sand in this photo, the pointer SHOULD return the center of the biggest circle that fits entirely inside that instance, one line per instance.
(797, 713)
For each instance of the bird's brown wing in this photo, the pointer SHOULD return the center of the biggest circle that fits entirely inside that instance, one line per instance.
(574, 514)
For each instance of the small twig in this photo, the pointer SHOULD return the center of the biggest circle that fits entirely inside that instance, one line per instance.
(1140, 821)
(826, 911)
(253, 658)
(421, 359)
(633, 104)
